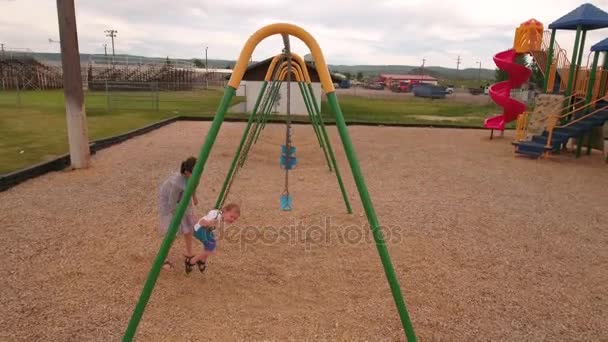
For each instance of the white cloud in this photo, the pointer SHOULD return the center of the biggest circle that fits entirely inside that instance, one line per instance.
(350, 32)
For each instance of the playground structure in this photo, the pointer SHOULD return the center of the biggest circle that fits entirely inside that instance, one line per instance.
(286, 69)
(584, 109)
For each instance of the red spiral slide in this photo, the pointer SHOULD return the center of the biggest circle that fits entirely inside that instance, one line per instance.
(501, 92)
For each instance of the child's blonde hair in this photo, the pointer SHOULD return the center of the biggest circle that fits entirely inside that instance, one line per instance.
(232, 207)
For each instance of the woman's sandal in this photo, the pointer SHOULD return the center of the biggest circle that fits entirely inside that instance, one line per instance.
(201, 266)
(187, 264)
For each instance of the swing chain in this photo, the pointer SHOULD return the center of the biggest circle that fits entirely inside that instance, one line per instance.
(287, 52)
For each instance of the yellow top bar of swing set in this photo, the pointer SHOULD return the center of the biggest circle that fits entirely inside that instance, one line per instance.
(296, 70)
(283, 74)
(298, 64)
(281, 28)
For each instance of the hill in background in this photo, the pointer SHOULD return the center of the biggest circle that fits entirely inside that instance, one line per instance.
(366, 70)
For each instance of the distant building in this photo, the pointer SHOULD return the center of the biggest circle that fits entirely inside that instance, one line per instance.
(252, 84)
(390, 79)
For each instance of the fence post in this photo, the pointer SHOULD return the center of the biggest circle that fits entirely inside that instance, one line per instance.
(107, 97)
(18, 94)
(157, 97)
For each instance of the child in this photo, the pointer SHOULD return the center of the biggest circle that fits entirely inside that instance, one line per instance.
(170, 194)
(203, 231)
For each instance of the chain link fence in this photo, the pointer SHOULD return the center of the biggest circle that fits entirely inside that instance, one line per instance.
(177, 98)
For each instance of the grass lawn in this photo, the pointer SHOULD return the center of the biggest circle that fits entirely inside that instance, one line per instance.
(412, 110)
(35, 131)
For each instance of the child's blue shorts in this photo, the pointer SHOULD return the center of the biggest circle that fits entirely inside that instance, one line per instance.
(207, 237)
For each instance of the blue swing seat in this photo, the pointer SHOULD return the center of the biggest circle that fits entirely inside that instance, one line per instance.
(286, 202)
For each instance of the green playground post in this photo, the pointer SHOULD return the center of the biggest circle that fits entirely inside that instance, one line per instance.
(549, 60)
(191, 184)
(579, 146)
(267, 102)
(596, 57)
(268, 113)
(590, 143)
(581, 52)
(240, 148)
(274, 97)
(604, 80)
(330, 150)
(313, 121)
(573, 63)
(371, 217)
(309, 111)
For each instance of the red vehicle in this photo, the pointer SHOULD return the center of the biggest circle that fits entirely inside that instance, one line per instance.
(404, 86)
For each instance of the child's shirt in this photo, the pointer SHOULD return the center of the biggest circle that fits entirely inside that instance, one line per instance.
(212, 215)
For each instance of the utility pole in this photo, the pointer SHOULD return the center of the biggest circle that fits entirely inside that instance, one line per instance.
(422, 71)
(2, 49)
(111, 33)
(458, 62)
(105, 51)
(479, 73)
(206, 69)
(78, 137)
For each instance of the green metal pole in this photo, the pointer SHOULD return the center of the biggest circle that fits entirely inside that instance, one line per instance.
(579, 146)
(313, 121)
(191, 184)
(590, 142)
(330, 150)
(304, 92)
(267, 102)
(589, 96)
(240, 148)
(581, 52)
(549, 60)
(266, 115)
(604, 80)
(573, 62)
(371, 217)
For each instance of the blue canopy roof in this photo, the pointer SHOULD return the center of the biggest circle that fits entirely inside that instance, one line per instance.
(586, 15)
(600, 46)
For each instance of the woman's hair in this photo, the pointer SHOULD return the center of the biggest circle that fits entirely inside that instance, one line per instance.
(188, 165)
(232, 207)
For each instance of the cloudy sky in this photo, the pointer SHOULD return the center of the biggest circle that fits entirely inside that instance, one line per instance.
(350, 32)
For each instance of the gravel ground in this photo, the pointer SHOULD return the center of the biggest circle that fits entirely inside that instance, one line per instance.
(486, 246)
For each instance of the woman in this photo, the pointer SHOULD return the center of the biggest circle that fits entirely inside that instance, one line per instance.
(170, 194)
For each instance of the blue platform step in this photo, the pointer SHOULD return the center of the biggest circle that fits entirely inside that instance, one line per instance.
(537, 146)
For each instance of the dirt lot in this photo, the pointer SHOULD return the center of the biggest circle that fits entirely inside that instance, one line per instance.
(486, 246)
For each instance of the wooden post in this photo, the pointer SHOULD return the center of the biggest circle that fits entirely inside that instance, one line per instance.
(72, 85)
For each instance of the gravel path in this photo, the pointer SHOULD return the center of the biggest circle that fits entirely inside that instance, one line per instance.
(486, 246)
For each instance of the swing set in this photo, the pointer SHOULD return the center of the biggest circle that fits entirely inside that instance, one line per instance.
(284, 68)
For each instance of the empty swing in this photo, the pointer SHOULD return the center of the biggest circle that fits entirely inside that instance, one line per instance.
(288, 157)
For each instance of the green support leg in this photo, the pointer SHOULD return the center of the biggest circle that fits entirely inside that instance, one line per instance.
(549, 60)
(371, 217)
(304, 93)
(590, 143)
(191, 184)
(573, 62)
(330, 150)
(579, 146)
(237, 155)
(267, 113)
(314, 122)
(258, 120)
(589, 96)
